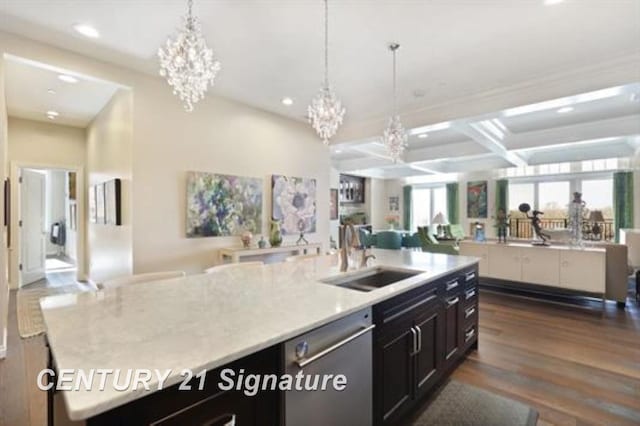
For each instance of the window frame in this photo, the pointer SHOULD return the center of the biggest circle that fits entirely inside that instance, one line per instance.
(432, 212)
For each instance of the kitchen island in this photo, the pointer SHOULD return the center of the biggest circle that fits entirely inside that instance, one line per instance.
(204, 322)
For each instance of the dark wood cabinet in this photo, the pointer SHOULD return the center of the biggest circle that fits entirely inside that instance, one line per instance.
(210, 406)
(420, 337)
(395, 363)
(351, 189)
(428, 360)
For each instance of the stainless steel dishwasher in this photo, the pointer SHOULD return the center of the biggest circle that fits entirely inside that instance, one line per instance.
(341, 347)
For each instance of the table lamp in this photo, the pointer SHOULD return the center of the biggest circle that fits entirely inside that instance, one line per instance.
(596, 217)
(439, 220)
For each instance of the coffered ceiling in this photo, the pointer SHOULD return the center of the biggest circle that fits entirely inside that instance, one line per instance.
(599, 124)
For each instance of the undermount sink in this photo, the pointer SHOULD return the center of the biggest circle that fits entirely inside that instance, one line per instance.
(371, 279)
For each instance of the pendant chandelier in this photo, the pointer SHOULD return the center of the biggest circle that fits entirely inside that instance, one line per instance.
(395, 137)
(187, 63)
(326, 111)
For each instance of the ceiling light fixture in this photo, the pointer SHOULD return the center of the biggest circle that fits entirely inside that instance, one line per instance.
(53, 113)
(423, 135)
(552, 2)
(564, 110)
(326, 111)
(51, 92)
(67, 78)
(86, 30)
(394, 136)
(287, 101)
(188, 63)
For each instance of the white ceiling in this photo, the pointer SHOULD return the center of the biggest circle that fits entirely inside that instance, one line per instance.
(451, 49)
(27, 86)
(602, 124)
(273, 48)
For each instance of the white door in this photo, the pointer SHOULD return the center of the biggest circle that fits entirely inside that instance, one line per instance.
(32, 232)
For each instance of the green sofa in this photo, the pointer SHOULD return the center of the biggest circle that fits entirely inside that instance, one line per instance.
(430, 243)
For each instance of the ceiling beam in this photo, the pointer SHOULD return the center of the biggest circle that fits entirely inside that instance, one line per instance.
(483, 134)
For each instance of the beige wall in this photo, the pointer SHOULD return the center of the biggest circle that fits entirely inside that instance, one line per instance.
(4, 269)
(220, 136)
(109, 140)
(48, 145)
(40, 143)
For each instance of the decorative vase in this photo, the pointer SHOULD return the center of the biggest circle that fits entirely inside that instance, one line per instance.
(246, 238)
(576, 217)
(275, 235)
(262, 243)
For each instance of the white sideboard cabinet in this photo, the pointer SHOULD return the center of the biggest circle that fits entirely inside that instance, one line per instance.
(582, 270)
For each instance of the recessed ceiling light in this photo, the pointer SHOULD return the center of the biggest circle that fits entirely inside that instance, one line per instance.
(423, 135)
(53, 113)
(338, 151)
(552, 2)
(67, 78)
(287, 101)
(564, 110)
(51, 92)
(86, 30)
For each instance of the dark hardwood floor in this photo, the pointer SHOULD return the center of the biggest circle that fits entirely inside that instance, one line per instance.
(572, 365)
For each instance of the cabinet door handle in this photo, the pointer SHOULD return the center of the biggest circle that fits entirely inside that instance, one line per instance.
(469, 334)
(470, 311)
(469, 276)
(303, 362)
(414, 350)
(451, 302)
(469, 294)
(452, 284)
(419, 338)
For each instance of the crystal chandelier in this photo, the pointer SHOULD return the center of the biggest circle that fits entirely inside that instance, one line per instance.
(187, 63)
(394, 136)
(326, 111)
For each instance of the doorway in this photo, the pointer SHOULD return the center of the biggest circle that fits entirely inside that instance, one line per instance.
(48, 226)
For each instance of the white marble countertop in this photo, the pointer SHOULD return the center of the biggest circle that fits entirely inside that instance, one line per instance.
(206, 321)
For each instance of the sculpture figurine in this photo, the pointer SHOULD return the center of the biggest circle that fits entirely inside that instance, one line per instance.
(535, 223)
(502, 223)
(576, 218)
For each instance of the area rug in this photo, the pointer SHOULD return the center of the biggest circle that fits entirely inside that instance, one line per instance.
(30, 321)
(458, 404)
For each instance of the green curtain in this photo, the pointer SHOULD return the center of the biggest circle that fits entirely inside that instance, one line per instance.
(453, 203)
(406, 206)
(502, 195)
(622, 201)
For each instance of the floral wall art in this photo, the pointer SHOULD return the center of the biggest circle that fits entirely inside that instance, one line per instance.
(294, 204)
(222, 205)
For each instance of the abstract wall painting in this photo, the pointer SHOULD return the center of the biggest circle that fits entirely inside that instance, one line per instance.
(294, 204)
(477, 199)
(223, 205)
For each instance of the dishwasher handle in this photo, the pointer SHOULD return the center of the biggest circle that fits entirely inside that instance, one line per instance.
(303, 362)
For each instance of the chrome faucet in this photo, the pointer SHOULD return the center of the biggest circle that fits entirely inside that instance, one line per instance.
(365, 258)
(349, 240)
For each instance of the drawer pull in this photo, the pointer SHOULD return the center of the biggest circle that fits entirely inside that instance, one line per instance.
(451, 302)
(469, 294)
(469, 334)
(303, 362)
(469, 312)
(414, 334)
(469, 276)
(452, 284)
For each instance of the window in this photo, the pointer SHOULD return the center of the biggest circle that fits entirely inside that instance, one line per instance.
(598, 194)
(553, 199)
(426, 203)
(520, 193)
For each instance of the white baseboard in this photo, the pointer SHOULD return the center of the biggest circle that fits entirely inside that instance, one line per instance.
(3, 346)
